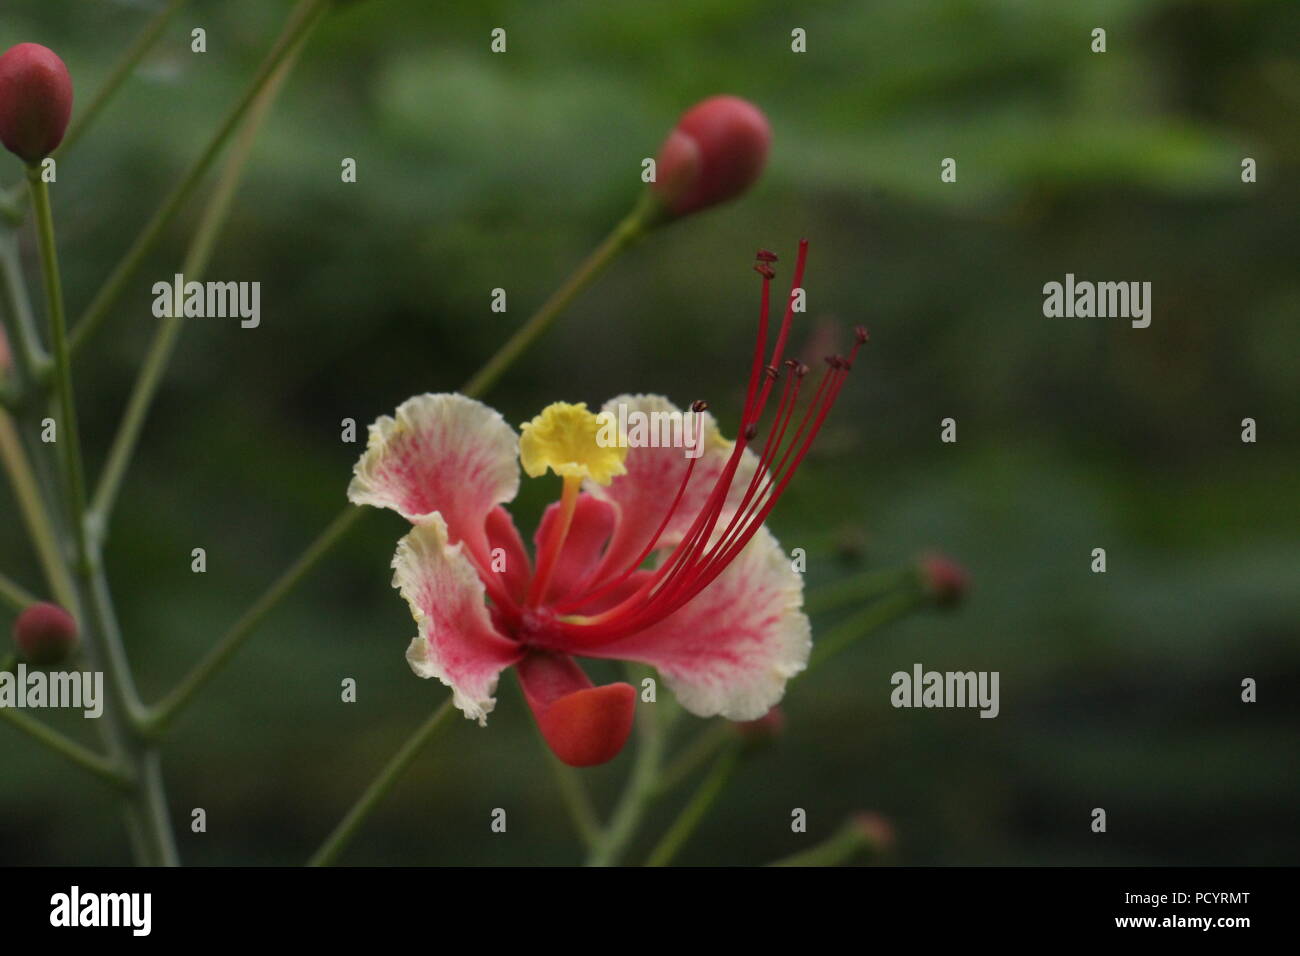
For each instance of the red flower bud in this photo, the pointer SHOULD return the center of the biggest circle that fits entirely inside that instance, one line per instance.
(45, 634)
(35, 101)
(945, 580)
(714, 153)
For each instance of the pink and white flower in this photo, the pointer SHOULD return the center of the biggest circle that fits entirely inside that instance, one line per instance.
(649, 555)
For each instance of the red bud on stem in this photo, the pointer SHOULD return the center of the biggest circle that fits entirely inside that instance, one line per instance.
(35, 101)
(714, 153)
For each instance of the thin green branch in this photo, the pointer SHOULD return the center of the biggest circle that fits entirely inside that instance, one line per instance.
(167, 709)
(124, 68)
(857, 589)
(628, 231)
(576, 800)
(193, 267)
(640, 790)
(379, 787)
(850, 840)
(68, 439)
(304, 17)
(696, 754)
(14, 594)
(699, 805)
(40, 528)
(16, 317)
(873, 618)
(66, 747)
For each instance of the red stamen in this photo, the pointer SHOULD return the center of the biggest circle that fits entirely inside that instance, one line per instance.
(695, 563)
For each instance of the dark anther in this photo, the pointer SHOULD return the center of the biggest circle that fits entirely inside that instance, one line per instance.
(764, 270)
(802, 370)
(764, 256)
(862, 334)
(699, 405)
(771, 372)
(750, 431)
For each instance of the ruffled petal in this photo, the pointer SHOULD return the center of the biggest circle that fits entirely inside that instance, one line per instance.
(457, 643)
(440, 453)
(732, 648)
(654, 475)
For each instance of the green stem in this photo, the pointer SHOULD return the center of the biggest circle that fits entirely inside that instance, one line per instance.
(29, 358)
(883, 612)
(861, 587)
(628, 231)
(14, 594)
(696, 754)
(699, 805)
(40, 528)
(124, 68)
(639, 792)
(193, 267)
(840, 848)
(576, 800)
(380, 786)
(145, 804)
(66, 747)
(301, 20)
(167, 709)
(148, 814)
(69, 441)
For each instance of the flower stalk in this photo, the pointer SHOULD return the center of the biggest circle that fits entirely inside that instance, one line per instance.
(301, 21)
(689, 819)
(628, 231)
(342, 834)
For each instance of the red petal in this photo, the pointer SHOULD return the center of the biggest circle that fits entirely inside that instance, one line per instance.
(582, 724)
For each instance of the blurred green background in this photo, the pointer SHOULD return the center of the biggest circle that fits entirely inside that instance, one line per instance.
(478, 170)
